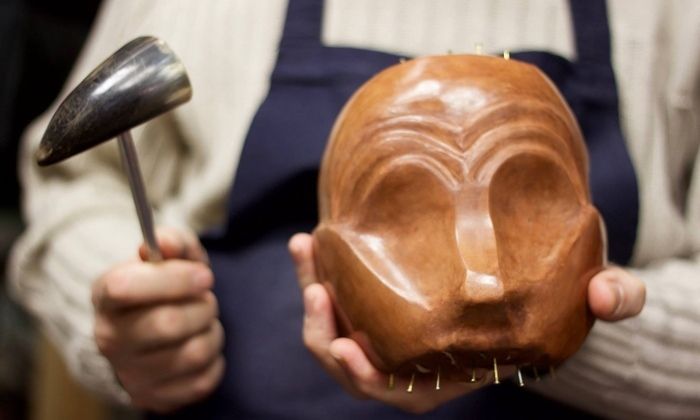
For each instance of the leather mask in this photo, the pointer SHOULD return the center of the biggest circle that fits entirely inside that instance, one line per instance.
(456, 225)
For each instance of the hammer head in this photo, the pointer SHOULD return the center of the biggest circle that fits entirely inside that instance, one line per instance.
(141, 80)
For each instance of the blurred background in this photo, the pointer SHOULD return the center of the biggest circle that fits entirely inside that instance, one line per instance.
(39, 41)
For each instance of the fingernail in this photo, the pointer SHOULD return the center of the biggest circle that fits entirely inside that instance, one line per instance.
(617, 292)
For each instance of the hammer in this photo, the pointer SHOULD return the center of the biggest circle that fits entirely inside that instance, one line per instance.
(140, 81)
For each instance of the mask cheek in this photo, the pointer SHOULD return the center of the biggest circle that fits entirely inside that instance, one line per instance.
(550, 243)
(375, 315)
(392, 263)
(537, 215)
(406, 227)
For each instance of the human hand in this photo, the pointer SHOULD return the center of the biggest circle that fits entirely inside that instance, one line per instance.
(613, 294)
(157, 324)
(345, 360)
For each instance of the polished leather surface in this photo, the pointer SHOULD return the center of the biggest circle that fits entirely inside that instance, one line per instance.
(456, 224)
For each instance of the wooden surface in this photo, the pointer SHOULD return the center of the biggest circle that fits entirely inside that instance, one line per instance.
(55, 395)
(456, 229)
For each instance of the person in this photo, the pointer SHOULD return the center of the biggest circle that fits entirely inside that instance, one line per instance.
(268, 78)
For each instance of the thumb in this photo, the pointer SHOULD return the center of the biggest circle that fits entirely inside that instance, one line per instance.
(614, 294)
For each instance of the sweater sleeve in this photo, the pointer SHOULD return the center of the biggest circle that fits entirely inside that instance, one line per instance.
(649, 366)
(79, 214)
(80, 220)
(80, 217)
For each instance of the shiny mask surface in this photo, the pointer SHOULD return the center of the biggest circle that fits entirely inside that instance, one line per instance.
(456, 225)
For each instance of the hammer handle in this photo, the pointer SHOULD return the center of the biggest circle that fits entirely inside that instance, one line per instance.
(143, 209)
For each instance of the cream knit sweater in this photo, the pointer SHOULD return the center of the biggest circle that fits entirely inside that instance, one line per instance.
(81, 218)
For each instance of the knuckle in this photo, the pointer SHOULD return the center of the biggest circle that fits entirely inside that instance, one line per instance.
(213, 303)
(107, 347)
(209, 379)
(128, 378)
(115, 286)
(168, 323)
(369, 376)
(312, 341)
(197, 352)
(202, 386)
(219, 335)
(105, 339)
(308, 340)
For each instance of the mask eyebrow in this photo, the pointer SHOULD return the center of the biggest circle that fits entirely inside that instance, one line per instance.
(425, 140)
(422, 140)
(458, 137)
(505, 137)
(518, 120)
(453, 149)
(434, 129)
(373, 177)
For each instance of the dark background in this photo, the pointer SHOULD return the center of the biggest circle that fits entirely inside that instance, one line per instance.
(39, 42)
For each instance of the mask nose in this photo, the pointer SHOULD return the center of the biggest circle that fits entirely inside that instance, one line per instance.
(477, 246)
(480, 288)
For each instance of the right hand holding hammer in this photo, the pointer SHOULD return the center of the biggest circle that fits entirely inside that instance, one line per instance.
(157, 324)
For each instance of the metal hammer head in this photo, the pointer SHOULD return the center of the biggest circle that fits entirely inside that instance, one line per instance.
(141, 80)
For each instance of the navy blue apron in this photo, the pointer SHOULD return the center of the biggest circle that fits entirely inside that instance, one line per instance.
(269, 373)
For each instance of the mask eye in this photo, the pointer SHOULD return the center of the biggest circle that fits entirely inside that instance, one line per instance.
(407, 216)
(536, 215)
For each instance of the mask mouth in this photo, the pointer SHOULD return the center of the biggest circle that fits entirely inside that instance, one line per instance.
(464, 366)
(459, 350)
(482, 315)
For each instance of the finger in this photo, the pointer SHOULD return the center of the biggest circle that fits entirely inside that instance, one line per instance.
(615, 294)
(301, 249)
(181, 391)
(135, 284)
(320, 330)
(355, 363)
(177, 243)
(152, 327)
(185, 358)
(319, 323)
(347, 363)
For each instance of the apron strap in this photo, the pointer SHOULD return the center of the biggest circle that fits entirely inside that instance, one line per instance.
(593, 47)
(303, 23)
(590, 20)
(595, 101)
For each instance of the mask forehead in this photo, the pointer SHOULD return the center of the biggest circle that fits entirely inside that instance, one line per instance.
(455, 112)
